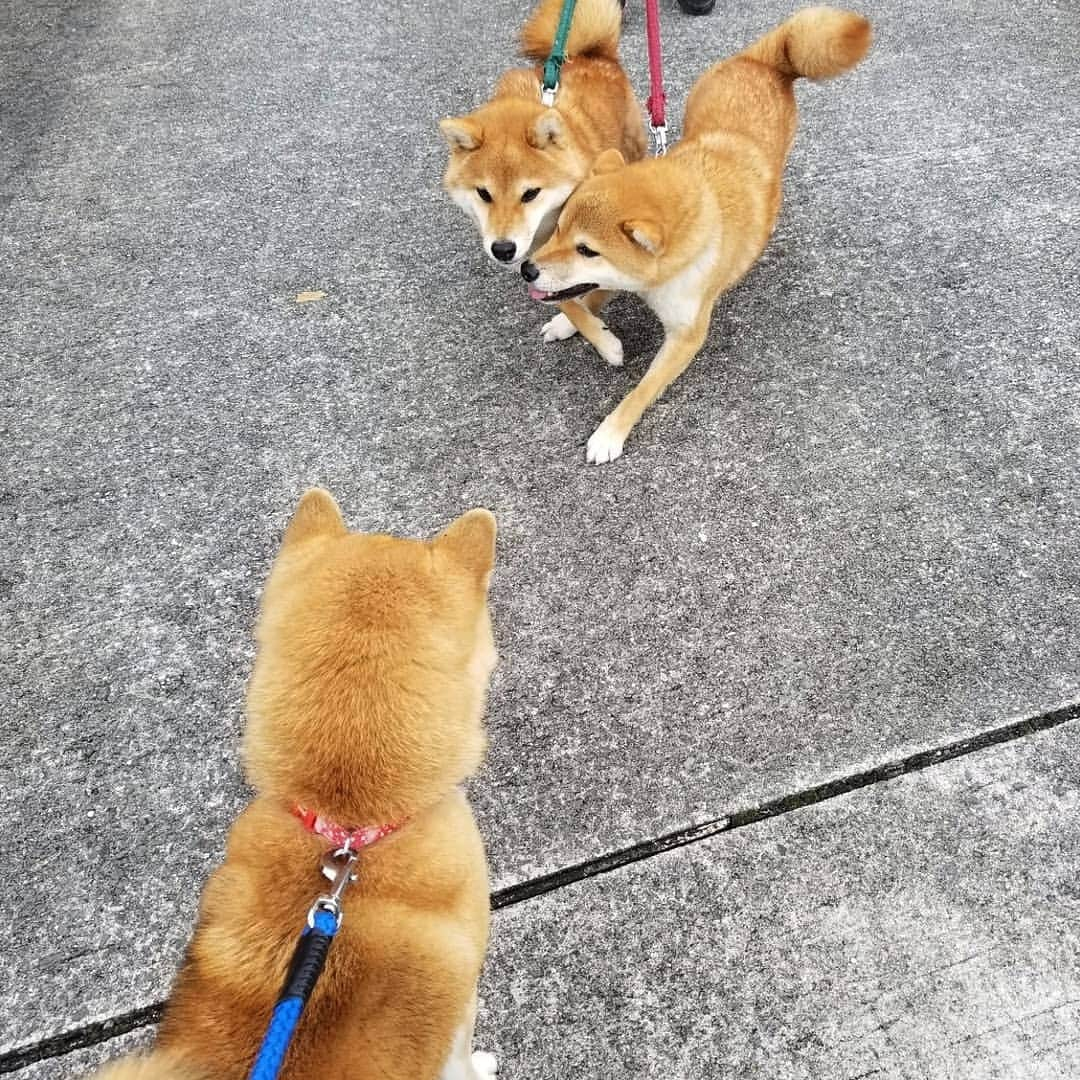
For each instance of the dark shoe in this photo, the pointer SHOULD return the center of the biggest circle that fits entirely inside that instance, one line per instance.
(697, 7)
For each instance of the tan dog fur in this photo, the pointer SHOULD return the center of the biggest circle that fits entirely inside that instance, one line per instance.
(514, 144)
(365, 704)
(157, 1067)
(682, 229)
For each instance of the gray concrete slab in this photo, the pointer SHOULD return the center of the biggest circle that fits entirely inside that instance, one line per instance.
(846, 533)
(923, 929)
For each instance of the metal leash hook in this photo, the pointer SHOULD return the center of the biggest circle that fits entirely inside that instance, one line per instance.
(659, 134)
(549, 84)
(657, 103)
(338, 867)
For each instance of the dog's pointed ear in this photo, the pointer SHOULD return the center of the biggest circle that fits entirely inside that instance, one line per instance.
(470, 541)
(316, 515)
(547, 129)
(608, 162)
(646, 234)
(461, 132)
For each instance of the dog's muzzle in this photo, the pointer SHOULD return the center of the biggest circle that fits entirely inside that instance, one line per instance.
(530, 272)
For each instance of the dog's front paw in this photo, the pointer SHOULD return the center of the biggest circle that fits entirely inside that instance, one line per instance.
(605, 443)
(484, 1065)
(610, 348)
(558, 329)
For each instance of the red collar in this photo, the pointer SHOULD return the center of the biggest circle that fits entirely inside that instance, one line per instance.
(338, 835)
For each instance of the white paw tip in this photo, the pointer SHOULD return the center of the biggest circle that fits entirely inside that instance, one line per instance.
(612, 352)
(558, 329)
(604, 446)
(484, 1063)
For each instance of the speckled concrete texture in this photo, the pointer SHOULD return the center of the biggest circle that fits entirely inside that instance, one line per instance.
(923, 929)
(847, 533)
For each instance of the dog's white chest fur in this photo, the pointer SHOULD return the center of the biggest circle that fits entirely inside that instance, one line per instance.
(678, 302)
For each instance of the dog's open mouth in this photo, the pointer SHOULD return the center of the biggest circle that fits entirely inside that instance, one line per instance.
(562, 294)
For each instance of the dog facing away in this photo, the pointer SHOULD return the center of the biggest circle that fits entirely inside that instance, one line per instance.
(682, 229)
(514, 161)
(365, 706)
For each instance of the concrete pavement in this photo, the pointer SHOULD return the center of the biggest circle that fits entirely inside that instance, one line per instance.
(847, 535)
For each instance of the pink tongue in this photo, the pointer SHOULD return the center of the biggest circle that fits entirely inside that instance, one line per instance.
(537, 294)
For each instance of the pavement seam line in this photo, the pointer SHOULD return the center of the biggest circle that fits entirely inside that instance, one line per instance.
(80, 1038)
(784, 804)
(67, 1042)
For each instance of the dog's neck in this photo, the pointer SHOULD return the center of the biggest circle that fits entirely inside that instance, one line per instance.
(341, 836)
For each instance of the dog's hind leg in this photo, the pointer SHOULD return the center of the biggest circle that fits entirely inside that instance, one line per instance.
(681, 345)
(464, 1063)
(581, 316)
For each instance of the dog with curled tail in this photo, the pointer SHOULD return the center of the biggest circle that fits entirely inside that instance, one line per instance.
(682, 229)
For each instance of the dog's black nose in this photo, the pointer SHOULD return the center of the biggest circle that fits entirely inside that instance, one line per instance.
(503, 250)
(529, 270)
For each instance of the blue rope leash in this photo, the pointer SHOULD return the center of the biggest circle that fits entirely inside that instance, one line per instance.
(308, 960)
(304, 971)
(276, 1041)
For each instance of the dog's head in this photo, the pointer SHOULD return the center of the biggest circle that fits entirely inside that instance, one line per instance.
(374, 656)
(613, 233)
(513, 163)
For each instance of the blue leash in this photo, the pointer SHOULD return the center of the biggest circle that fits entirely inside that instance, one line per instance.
(307, 963)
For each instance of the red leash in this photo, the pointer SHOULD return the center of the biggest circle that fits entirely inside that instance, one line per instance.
(657, 97)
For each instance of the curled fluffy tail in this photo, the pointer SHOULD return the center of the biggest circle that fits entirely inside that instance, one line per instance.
(816, 42)
(594, 30)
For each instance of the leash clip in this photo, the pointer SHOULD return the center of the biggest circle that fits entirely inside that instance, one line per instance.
(659, 134)
(338, 867)
(547, 95)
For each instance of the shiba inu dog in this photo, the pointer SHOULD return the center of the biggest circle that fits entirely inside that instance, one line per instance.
(514, 161)
(681, 229)
(365, 709)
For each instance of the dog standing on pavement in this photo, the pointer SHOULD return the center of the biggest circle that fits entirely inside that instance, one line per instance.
(365, 709)
(514, 161)
(682, 229)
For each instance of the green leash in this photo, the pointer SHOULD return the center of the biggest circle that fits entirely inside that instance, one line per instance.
(553, 64)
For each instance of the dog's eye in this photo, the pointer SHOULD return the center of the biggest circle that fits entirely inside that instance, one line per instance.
(530, 194)
(484, 194)
(586, 251)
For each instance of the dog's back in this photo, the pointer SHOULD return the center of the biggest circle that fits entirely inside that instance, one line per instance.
(593, 83)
